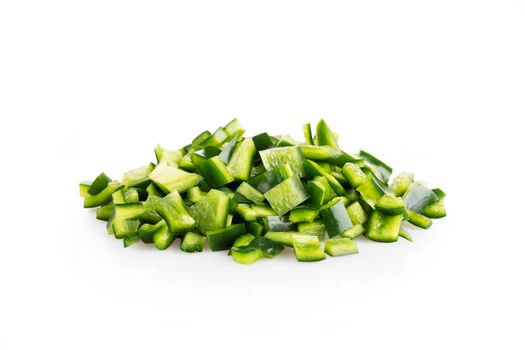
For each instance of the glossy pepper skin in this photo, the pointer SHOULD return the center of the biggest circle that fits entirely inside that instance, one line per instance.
(324, 136)
(384, 228)
(336, 219)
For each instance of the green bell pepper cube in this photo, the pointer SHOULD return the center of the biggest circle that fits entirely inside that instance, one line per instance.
(104, 196)
(307, 131)
(353, 173)
(192, 243)
(223, 239)
(172, 209)
(324, 136)
(340, 246)
(418, 197)
(383, 228)
(391, 205)
(100, 183)
(287, 195)
(308, 251)
(401, 183)
(210, 213)
(251, 193)
(336, 219)
(170, 179)
(241, 160)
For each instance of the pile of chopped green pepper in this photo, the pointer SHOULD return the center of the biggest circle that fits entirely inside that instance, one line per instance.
(254, 196)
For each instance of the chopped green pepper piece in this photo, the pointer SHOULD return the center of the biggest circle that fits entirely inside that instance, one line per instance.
(125, 219)
(147, 231)
(317, 192)
(435, 210)
(119, 197)
(100, 183)
(353, 173)
(303, 214)
(233, 127)
(195, 194)
(229, 220)
(83, 188)
(325, 136)
(104, 212)
(210, 213)
(401, 183)
(246, 255)
(285, 237)
(334, 201)
(268, 247)
(257, 168)
(251, 193)
(223, 239)
(226, 153)
(125, 228)
(192, 243)
(340, 246)
(319, 153)
(168, 157)
(243, 240)
(357, 213)
(241, 160)
(307, 131)
(405, 235)
(391, 205)
(150, 213)
(170, 179)
(370, 192)
(132, 195)
(354, 231)
(277, 223)
(383, 228)
(439, 193)
(340, 178)
(154, 190)
(336, 219)
(312, 227)
(344, 158)
(128, 241)
(262, 141)
(329, 192)
(138, 177)
(216, 139)
(418, 197)
(287, 195)
(308, 251)
(246, 212)
(254, 228)
(263, 210)
(217, 174)
(103, 196)
(172, 209)
(418, 219)
(163, 238)
(275, 157)
(196, 143)
(186, 163)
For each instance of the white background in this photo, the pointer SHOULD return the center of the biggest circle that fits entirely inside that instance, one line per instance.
(433, 87)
